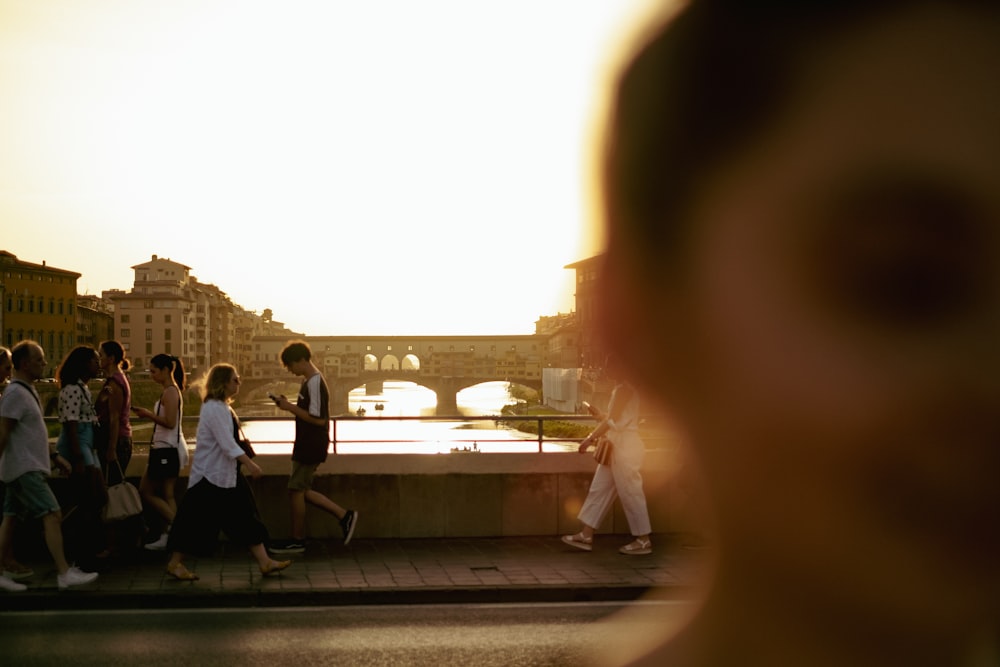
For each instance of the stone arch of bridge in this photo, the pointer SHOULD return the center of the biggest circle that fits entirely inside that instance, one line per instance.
(445, 388)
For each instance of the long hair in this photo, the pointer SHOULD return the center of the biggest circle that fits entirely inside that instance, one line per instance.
(114, 349)
(173, 364)
(76, 365)
(219, 376)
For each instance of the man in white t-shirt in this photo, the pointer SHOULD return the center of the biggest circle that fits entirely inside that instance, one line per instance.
(25, 465)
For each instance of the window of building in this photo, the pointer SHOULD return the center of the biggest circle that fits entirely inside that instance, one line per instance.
(148, 305)
(149, 318)
(126, 333)
(166, 318)
(125, 319)
(167, 333)
(149, 348)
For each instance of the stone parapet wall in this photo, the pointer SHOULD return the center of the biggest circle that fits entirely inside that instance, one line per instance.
(460, 495)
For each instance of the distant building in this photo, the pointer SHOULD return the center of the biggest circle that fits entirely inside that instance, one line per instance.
(169, 311)
(563, 333)
(95, 320)
(39, 303)
(587, 273)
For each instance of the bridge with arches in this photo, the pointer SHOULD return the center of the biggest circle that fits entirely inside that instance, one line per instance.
(444, 364)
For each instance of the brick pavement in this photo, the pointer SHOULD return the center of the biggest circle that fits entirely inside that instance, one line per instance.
(382, 571)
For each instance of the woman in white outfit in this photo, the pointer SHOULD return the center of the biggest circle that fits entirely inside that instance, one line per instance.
(619, 479)
(168, 453)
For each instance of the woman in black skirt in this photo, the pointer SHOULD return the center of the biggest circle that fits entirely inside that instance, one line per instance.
(218, 496)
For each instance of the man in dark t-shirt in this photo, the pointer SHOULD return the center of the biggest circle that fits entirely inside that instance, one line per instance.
(312, 441)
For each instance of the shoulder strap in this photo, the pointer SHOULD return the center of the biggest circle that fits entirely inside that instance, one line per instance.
(29, 389)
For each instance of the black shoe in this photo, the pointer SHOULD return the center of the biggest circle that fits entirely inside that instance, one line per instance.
(347, 525)
(287, 547)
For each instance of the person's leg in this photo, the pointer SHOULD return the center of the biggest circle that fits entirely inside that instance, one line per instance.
(52, 526)
(599, 499)
(177, 570)
(267, 564)
(317, 499)
(628, 481)
(297, 504)
(7, 582)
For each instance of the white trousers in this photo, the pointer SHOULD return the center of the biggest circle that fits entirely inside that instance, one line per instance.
(622, 480)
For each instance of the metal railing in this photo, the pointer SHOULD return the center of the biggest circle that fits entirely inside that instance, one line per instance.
(142, 430)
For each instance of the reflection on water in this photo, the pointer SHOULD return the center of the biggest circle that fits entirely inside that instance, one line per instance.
(375, 435)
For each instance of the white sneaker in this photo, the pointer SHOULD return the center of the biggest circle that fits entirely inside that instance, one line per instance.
(8, 584)
(158, 545)
(74, 576)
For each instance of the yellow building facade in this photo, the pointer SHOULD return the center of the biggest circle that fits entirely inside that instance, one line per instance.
(39, 303)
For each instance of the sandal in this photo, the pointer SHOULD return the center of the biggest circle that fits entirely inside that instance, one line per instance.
(181, 573)
(274, 567)
(638, 547)
(579, 541)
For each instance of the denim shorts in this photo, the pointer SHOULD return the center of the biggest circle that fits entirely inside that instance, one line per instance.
(29, 497)
(85, 434)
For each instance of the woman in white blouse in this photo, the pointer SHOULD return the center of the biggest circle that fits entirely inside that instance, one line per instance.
(218, 496)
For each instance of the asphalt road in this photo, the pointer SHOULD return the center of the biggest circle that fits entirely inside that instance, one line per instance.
(481, 635)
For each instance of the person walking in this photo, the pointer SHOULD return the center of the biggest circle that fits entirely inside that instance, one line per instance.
(218, 496)
(168, 453)
(84, 534)
(619, 478)
(312, 442)
(25, 466)
(10, 569)
(113, 440)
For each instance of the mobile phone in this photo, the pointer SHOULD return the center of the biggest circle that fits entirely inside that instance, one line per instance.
(272, 397)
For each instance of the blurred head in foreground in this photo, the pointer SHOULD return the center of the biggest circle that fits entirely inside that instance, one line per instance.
(803, 268)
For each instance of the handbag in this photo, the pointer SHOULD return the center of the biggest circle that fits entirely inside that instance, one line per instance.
(603, 451)
(123, 500)
(241, 439)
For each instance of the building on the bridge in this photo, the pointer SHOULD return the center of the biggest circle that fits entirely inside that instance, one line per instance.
(563, 334)
(587, 274)
(38, 303)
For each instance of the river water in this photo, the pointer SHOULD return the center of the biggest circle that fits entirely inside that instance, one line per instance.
(378, 433)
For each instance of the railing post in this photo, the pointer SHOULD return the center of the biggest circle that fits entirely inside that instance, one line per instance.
(541, 434)
(334, 439)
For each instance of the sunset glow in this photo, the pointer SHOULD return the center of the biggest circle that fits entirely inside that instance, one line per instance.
(382, 167)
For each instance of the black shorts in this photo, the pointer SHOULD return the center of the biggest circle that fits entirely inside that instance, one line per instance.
(164, 463)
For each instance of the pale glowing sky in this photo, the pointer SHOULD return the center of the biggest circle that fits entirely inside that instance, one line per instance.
(359, 167)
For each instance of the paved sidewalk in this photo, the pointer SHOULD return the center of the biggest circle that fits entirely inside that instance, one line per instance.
(381, 571)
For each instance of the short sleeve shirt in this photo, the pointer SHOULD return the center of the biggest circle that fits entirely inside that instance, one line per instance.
(312, 442)
(76, 404)
(28, 444)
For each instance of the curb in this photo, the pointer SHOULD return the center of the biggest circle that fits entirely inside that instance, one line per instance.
(30, 601)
